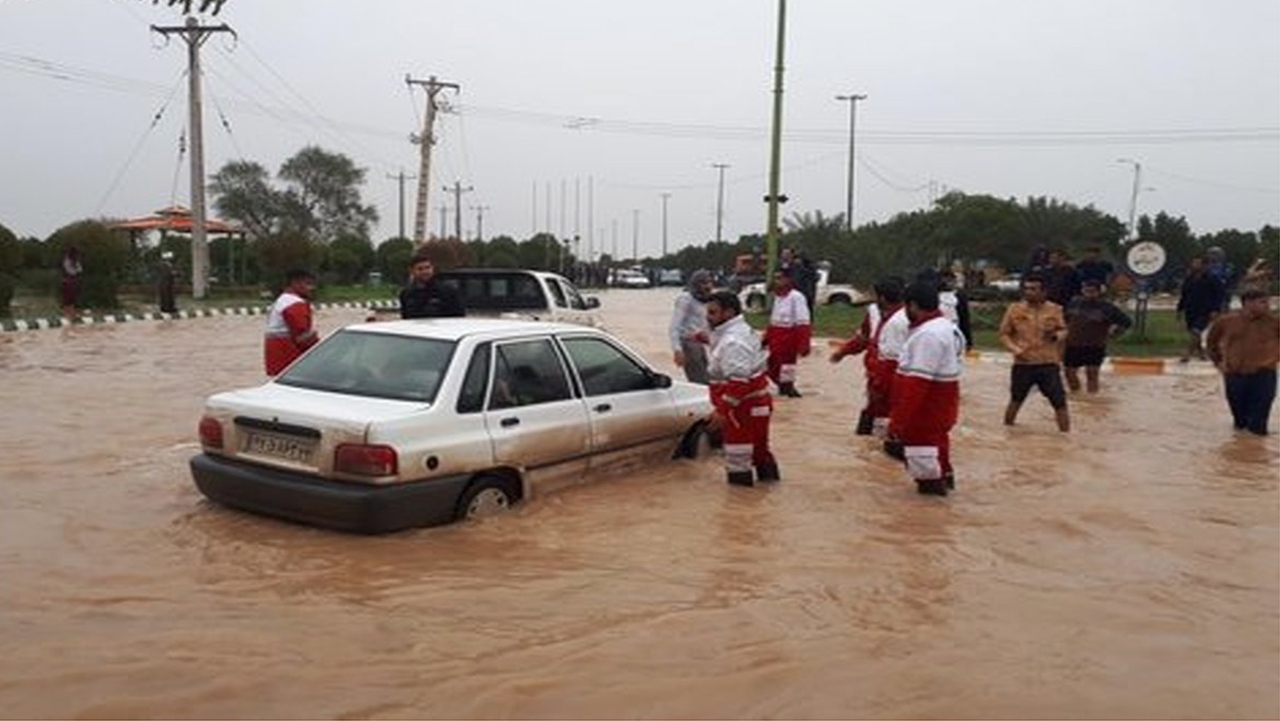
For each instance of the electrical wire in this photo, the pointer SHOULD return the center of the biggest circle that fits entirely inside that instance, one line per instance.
(177, 167)
(1211, 183)
(133, 155)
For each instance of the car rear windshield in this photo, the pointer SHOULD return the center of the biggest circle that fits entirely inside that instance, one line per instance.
(373, 364)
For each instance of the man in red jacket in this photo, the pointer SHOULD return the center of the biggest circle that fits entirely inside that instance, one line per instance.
(867, 340)
(926, 391)
(739, 392)
(289, 331)
(787, 336)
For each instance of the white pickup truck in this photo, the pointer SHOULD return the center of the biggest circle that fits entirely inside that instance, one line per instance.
(517, 293)
(755, 296)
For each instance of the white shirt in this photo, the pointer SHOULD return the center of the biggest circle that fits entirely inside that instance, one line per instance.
(735, 352)
(933, 351)
(894, 334)
(790, 310)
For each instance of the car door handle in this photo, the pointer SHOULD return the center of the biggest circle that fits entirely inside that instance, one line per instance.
(509, 421)
(603, 408)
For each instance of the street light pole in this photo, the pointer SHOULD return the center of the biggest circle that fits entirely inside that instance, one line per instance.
(853, 115)
(720, 200)
(665, 196)
(1133, 196)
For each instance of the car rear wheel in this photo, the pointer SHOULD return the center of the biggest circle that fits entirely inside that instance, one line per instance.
(840, 299)
(487, 496)
(755, 302)
(699, 442)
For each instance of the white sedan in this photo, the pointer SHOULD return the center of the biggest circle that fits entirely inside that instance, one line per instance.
(386, 426)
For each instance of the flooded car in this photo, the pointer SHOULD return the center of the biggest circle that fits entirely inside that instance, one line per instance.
(387, 426)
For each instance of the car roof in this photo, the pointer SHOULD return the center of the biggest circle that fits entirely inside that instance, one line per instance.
(454, 329)
(500, 271)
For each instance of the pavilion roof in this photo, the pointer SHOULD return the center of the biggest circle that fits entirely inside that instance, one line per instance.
(176, 218)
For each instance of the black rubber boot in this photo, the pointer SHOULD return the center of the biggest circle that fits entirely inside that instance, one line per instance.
(933, 487)
(894, 449)
(950, 480)
(740, 478)
(768, 472)
(789, 390)
(866, 423)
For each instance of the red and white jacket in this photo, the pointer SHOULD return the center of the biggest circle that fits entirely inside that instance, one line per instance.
(736, 366)
(289, 332)
(926, 390)
(788, 329)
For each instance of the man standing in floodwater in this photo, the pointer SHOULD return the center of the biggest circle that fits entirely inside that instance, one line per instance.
(926, 392)
(1033, 330)
(739, 392)
(1245, 346)
(1092, 321)
(289, 330)
(689, 330)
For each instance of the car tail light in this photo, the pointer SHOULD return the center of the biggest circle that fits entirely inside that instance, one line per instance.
(210, 432)
(365, 460)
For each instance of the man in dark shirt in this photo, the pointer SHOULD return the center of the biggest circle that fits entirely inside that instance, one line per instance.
(1061, 281)
(1093, 267)
(1202, 298)
(1091, 322)
(425, 297)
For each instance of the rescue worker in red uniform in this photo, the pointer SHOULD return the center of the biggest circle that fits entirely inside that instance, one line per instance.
(289, 330)
(787, 336)
(926, 392)
(739, 392)
(866, 340)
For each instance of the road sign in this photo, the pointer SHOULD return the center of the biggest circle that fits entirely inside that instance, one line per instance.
(1146, 258)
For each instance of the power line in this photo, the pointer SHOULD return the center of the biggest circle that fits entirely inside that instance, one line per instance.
(155, 119)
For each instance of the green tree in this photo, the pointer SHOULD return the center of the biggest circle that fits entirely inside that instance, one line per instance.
(104, 255)
(242, 192)
(322, 195)
(10, 264)
(350, 258)
(393, 257)
(282, 252)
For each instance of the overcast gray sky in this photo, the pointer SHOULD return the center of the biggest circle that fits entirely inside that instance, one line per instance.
(637, 98)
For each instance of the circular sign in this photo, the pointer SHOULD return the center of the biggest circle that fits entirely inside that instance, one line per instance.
(1146, 258)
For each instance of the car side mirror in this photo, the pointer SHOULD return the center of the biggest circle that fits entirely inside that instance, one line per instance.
(661, 380)
(591, 302)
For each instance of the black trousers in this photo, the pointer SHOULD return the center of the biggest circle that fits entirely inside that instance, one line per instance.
(1250, 396)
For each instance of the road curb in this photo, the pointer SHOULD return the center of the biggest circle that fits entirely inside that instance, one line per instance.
(1120, 365)
(11, 325)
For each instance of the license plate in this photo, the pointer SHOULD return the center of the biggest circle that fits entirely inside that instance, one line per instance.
(297, 450)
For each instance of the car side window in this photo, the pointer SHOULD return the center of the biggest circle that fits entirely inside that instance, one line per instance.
(557, 292)
(471, 397)
(575, 299)
(527, 373)
(605, 369)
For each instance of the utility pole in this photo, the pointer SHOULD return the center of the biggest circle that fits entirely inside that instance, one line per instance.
(401, 177)
(853, 114)
(775, 196)
(480, 221)
(591, 213)
(614, 233)
(665, 196)
(635, 235)
(535, 209)
(564, 230)
(425, 141)
(194, 34)
(1133, 196)
(457, 191)
(444, 220)
(720, 200)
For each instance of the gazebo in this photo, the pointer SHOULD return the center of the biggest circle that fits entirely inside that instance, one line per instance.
(174, 219)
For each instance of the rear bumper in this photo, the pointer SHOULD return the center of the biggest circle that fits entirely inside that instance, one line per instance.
(330, 504)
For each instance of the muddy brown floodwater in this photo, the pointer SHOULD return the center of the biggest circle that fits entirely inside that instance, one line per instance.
(1128, 569)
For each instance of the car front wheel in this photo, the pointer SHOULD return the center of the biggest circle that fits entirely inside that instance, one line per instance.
(487, 496)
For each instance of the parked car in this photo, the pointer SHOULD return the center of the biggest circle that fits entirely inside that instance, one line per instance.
(754, 297)
(671, 276)
(625, 278)
(387, 426)
(517, 293)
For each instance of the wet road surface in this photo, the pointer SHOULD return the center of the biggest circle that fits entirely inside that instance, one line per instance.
(1130, 568)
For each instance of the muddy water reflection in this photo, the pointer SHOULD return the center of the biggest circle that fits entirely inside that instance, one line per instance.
(1131, 568)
